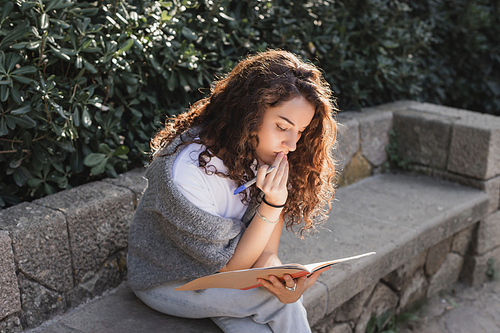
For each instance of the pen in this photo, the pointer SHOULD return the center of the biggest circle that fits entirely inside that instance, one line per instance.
(250, 182)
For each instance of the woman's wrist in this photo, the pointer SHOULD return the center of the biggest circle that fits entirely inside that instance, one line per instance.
(272, 215)
(272, 204)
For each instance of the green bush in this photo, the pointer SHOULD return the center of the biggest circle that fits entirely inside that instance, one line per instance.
(84, 85)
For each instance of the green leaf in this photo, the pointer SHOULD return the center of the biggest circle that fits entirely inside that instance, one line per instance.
(22, 110)
(389, 44)
(23, 121)
(61, 23)
(22, 79)
(15, 163)
(121, 150)
(104, 148)
(165, 16)
(44, 21)
(99, 168)
(4, 92)
(16, 96)
(49, 189)
(111, 170)
(406, 316)
(227, 17)
(76, 160)
(40, 153)
(53, 5)
(189, 34)
(11, 60)
(127, 46)
(63, 182)
(3, 127)
(18, 32)
(7, 8)
(19, 178)
(34, 182)
(172, 82)
(86, 119)
(19, 46)
(89, 66)
(59, 53)
(57, 129)
(34, 45)
(94, 159)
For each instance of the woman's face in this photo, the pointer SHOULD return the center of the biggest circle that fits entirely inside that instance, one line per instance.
(282, 128)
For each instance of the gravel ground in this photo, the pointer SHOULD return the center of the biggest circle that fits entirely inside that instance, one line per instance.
(460, 309)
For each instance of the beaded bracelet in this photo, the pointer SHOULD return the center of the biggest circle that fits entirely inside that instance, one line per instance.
(270, 222)
(274, 206)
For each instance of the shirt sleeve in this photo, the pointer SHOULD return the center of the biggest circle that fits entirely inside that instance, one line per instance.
(191, 182)
(192, 185)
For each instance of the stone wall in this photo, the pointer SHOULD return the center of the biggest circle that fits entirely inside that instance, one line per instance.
(442, 142)
(423, 276)
(61, 250)
(58, 251)
(363, 137)
(463, 147)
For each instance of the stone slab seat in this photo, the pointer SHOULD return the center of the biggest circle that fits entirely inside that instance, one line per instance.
(396, 215)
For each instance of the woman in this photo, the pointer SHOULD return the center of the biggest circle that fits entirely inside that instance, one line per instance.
(272, 110)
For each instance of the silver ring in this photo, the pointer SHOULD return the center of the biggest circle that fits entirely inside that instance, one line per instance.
(292, 288)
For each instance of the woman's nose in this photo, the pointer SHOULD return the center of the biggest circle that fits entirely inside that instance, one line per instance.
(291, 141)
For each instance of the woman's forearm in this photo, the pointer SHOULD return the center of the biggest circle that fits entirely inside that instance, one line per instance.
(259, 237)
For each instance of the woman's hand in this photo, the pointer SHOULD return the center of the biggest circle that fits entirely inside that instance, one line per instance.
(277, 288)
(274, 185)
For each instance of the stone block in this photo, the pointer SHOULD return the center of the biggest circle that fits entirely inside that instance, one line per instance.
(464, 216)
(323, 325)
(490, 186)
(120, 311)
(413, 291)
(134, 180)
(480, 268)
(398, 277)
(383, 299)
(352, 309)
(39, 303)
(475, 147)
(9, 289)
(398, 105)
(358, 168)
(373, 128)
(423, 137)
(340, 328)
(447, 274)
(488, 234)
(98, 216)
(436, 256)
(347, 138)
(41, 244)
(11, 324)
(462, 240)
(93, 284)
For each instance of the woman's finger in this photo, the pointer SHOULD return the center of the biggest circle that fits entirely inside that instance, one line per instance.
(268, 285)
(284, 177)
(314, 276)
(262, 175)
(289, 281)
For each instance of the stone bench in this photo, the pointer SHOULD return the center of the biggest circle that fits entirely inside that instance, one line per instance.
(420, 228)
(65, 249)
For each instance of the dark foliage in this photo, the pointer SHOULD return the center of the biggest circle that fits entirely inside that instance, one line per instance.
(85, 85)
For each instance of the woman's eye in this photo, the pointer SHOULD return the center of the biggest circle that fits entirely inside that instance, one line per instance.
(281, 128)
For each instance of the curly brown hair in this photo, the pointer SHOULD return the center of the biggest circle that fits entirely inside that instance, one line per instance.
(230, 117)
